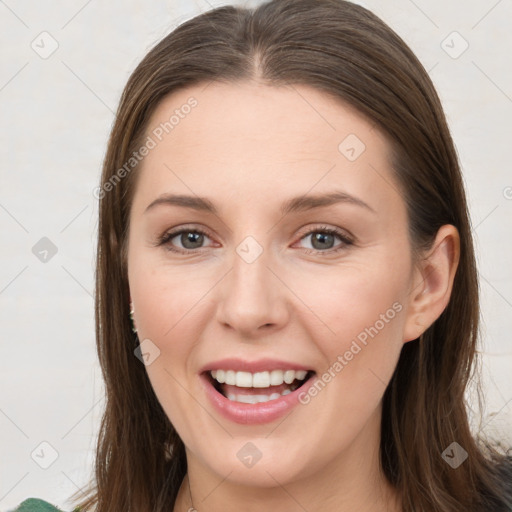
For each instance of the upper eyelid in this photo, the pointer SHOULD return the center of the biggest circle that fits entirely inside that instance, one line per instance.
(303, 230)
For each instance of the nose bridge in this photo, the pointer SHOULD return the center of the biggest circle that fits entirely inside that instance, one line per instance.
(252, 295)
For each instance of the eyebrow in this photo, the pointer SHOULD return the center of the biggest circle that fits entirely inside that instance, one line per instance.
(295, 204)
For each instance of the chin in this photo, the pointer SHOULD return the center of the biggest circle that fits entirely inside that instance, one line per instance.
(261, 462)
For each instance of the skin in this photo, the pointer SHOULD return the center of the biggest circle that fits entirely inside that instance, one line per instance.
(248, 148)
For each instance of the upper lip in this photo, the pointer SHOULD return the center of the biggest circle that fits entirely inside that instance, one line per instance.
(260, 365)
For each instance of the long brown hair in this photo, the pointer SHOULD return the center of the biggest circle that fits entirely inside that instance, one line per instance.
(346, 51)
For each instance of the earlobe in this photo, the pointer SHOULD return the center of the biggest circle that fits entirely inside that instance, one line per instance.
(132, 311)
(433, 282)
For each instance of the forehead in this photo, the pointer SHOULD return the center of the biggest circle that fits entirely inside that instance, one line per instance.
(255, 139)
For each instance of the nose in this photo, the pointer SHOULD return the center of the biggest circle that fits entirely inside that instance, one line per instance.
(253, 300)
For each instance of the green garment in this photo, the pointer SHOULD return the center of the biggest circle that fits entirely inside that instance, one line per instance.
(36, 505)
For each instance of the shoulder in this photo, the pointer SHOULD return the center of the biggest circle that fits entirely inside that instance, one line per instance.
(37, 505)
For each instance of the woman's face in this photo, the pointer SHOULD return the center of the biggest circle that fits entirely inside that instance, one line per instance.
(290, 252)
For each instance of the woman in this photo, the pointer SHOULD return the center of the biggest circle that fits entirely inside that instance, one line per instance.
(287, 299)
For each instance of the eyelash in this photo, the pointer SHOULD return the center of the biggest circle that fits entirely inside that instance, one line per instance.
(345, 239)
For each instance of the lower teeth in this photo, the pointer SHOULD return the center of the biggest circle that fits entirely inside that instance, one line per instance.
(255, 399)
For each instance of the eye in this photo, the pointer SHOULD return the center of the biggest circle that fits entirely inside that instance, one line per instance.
(323, 238)
(190, 240)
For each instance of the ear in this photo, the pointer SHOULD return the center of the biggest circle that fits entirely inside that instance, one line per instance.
(432, 282)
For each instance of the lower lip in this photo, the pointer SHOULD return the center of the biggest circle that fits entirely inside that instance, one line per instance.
(253, 414)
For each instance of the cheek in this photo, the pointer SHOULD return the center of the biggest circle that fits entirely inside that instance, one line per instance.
(367, 318)
(168, 300)
(173, 393)
(356, 301)
(362, 312)
(170, 313)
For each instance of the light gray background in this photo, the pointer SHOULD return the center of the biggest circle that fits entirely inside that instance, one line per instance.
(55, 118)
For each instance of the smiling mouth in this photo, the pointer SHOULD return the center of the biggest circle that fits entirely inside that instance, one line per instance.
(254, 388)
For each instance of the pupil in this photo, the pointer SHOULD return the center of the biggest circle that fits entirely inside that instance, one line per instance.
(321, 238)
(191, 237)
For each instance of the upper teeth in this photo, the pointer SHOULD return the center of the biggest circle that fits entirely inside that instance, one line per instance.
(258, 379)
